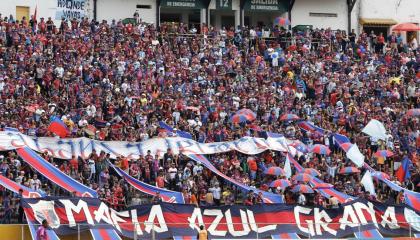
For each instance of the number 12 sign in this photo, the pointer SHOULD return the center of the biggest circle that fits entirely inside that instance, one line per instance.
(224, 4)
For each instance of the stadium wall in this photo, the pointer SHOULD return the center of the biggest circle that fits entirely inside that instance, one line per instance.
(320, 14)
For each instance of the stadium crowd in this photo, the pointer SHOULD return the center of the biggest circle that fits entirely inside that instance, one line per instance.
(115, 81)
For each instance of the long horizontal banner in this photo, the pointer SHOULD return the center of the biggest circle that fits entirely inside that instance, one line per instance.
(166, 220)
(82, 147)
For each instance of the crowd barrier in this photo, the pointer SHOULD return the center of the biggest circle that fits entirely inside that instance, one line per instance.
(22, 232)
(284, 41)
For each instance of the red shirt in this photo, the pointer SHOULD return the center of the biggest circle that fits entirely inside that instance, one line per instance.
(74, 163)
(160, 182)
(124, 164)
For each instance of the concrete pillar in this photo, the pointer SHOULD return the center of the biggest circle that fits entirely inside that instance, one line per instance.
(242, 17)
(203, 15)
(237, 18)
(218, 21)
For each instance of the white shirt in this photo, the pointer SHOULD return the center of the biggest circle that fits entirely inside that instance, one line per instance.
(83, 123)
(172, 172)
(91, 110)
(197, 168)
(92, 166)
(59, 71)
(35, 184)
(411, 90)
(252, 34)
(302, 199)
(124, 87)
(176, 116)
(216, 191)
(2, 85)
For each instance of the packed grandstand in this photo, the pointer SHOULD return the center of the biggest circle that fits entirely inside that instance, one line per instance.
(316, 118)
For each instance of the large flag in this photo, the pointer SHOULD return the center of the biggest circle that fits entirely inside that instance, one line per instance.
(292, 160)
(403, 171)
(166, 195)
(54, 174)
(375, 129)
(58, 127)
(355, 155)
(367, 183)
(310, 127)
(340, 139)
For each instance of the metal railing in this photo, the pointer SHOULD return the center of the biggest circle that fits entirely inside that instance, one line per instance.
(145, 230)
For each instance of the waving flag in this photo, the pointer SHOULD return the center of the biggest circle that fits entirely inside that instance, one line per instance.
(167, 195)
(267, 197)
(54, 174)
(58, 127)
(375, 129)
(367, 183)
(169, 129)
(355, 155)
(290, 158)
(310, 127)
(35, 13)
(403, 171)
(340, 139)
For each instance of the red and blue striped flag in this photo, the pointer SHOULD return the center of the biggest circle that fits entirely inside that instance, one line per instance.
(58, 127)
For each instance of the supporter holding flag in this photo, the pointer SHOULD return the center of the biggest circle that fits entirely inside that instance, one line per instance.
(58, 127)
(403, 172)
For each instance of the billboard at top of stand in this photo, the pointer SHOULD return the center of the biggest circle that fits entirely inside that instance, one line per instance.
(266, 5)
(190, 4)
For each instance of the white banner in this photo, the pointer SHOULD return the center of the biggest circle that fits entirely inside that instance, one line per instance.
(65, 148)
(70, 9)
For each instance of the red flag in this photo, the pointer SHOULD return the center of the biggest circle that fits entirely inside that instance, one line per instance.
(36, 10)
(403, 171)
(58, 127)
